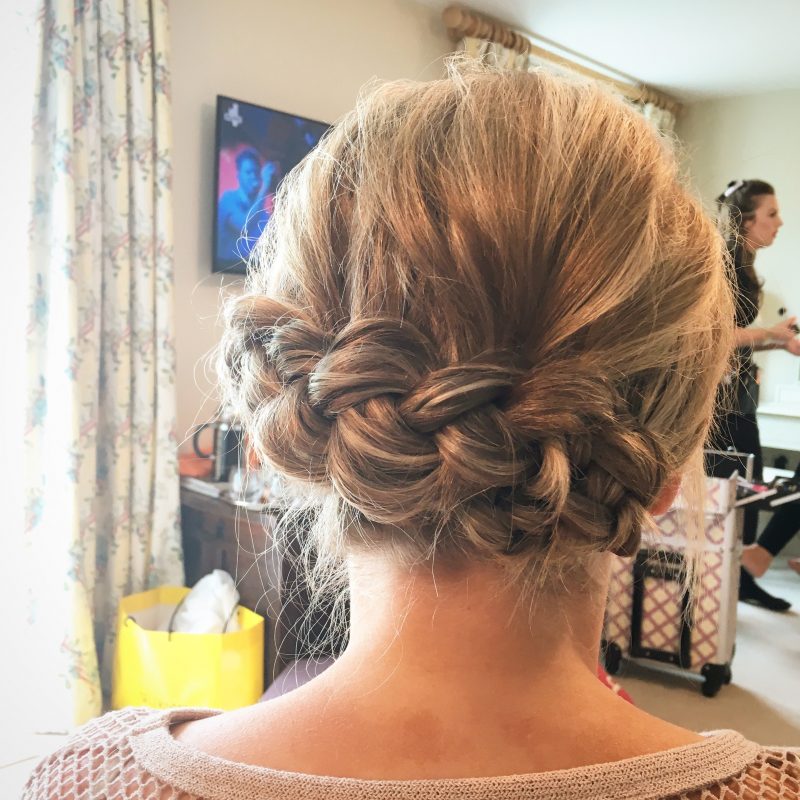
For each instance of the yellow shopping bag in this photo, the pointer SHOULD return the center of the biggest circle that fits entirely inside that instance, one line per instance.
(159, 669)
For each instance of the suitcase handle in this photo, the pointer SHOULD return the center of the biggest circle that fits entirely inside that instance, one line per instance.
(666, 566)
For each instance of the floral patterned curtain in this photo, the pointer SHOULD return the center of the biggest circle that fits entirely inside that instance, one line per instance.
(101, 481)
(661, 118)
(496, 54)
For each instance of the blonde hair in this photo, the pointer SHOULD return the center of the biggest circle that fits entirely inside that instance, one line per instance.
(486, 321)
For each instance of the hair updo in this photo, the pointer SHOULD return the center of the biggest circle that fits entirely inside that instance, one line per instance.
(486, 321)
(740, 200)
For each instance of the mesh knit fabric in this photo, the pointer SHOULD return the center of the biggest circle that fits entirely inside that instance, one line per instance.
(131, 755)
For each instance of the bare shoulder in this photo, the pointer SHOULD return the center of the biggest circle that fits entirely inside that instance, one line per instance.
(240, 735)
(317, 733)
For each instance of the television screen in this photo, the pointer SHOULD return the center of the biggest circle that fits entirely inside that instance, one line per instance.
(255, 148)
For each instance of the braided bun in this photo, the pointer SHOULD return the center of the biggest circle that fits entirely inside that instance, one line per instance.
(478, 334)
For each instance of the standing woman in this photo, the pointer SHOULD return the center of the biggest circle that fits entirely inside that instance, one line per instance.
(754, 218)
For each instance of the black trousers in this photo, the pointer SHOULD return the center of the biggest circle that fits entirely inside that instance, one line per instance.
(741, 432)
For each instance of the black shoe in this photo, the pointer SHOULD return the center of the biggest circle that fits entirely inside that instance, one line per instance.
(751, 592)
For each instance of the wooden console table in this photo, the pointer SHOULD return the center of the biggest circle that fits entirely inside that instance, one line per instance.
(219, 535)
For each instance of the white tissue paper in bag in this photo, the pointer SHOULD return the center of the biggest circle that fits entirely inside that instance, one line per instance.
(210, 607)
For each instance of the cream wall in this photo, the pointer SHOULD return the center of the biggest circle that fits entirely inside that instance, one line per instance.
(756, 136)
(307, 57)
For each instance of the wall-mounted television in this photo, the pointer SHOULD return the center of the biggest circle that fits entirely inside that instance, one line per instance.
(255, 148)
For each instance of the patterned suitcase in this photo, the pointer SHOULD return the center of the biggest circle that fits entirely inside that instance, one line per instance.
(647, 613)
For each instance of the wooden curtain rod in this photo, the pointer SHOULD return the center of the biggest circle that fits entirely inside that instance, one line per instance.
(461, 22)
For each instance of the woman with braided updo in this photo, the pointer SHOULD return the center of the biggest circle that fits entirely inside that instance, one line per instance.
(484, 328)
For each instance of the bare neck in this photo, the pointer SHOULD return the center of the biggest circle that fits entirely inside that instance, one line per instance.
(470, 625)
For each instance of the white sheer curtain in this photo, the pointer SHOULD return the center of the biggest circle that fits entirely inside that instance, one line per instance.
(18, 59)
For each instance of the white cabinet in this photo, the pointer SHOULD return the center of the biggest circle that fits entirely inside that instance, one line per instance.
(779, 425)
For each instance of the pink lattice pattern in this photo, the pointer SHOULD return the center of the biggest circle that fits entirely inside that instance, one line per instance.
(707, 610)
(620, 603)
(720, 495)
(661, 614)
(671, 528)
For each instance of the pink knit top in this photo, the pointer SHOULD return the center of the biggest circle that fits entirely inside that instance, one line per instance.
(132, 755)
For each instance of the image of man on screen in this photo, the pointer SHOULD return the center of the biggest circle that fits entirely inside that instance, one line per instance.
(242, 212)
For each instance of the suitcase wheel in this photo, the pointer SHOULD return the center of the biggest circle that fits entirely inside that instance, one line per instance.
(715, 676)
(728, 675)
